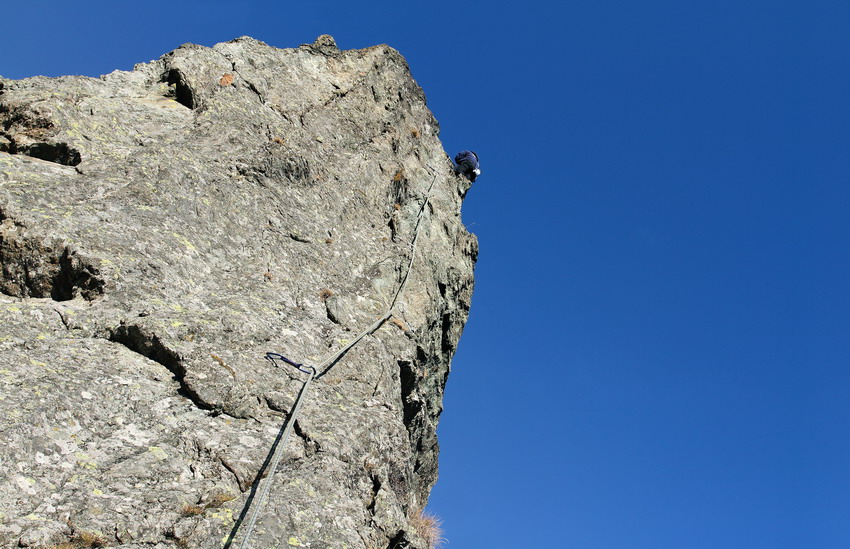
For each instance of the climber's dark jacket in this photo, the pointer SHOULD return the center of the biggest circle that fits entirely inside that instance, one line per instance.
(467, 164)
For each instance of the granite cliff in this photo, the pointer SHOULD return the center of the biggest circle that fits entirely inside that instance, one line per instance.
(161, 230)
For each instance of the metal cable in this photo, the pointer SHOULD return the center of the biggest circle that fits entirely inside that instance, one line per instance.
(333, 358)
(323, 368)
(278, 453)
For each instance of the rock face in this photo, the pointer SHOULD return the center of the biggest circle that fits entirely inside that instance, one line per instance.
(160, 231)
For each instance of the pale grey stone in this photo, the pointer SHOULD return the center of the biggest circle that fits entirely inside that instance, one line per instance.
(161, 230)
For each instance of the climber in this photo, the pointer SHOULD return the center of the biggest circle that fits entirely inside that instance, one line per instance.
(467, 164)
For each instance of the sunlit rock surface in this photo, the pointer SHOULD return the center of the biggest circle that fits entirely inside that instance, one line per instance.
(160, 231)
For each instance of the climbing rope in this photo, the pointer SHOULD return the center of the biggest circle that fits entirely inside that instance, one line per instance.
(324, 367)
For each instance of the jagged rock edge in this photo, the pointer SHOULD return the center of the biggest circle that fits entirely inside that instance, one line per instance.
(149, 345)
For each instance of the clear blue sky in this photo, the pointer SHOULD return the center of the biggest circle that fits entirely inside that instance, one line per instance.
(658, 350)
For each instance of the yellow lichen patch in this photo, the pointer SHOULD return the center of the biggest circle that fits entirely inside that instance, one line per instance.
(185, 241)
(223, 514)
(84, 461)
(177, 307)
(176, 324)
(158, 452)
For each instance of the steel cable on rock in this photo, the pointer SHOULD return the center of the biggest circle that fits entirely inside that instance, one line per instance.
(323, 368)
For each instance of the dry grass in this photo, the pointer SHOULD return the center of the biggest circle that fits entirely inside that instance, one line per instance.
(224, 364)
(325, 293)
(415, 133)
(226, 80)
(219, 499)
(396, 206)
(191, 510)
(429, 528)
(400, 323)
(369, 465)
(79, 539)
(399, 175)
(278, 140)
(89, 539)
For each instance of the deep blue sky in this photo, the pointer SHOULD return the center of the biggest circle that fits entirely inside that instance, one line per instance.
(657, 355)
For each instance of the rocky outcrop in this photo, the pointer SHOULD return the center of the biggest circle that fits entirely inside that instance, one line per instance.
(160, 231)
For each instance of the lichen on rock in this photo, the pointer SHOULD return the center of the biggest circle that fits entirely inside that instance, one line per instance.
(161, 230)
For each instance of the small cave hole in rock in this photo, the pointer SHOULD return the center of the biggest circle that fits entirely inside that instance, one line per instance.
(60, 153)
(399, 541)
(76, 277)
(408, 377)
(28, 268)
(184, 94)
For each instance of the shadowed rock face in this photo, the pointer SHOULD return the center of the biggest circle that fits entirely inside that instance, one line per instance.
(160, 231)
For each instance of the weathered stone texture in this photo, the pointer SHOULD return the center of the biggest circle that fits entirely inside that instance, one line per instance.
(160, 231)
